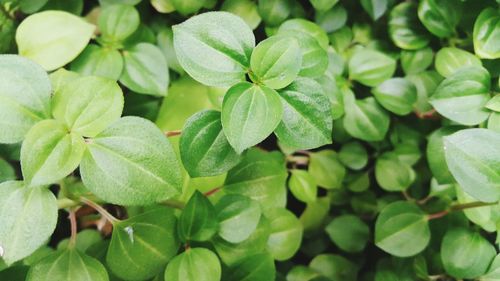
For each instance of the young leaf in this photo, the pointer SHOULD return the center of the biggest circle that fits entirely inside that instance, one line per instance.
(68, 265)
(392, 174)
(142, 245)
(250, 113)
(370, 67)
(198, 221)
(440, 17)
(331, 20)
(186, 7)
(323, 5)
(98, 61)
(402, 229)
(416, 61)
(449, 60)
(214, 48)
(375, 8)
(53, 38)
(349, 233)
(196, 264)
(458, 245)
(145, 70)
(326, 169)
(246, 9)
(50, 153)
(238, 217)
(426, 83)
(88, 105)
(286, 234)
(117, 22)
(353, 155)
(306, 121)
(24, 97)
(29, 217)
(276, 61)
(274, 12)
(462, 96)
(405, 29)
(436, 154)
(334, 267)
(397, 95)
(472, 157)
(7, 172)
(486, 34)
(131, 163)
(259, 267)
(204, 148)
(303, 186)
(308, 27)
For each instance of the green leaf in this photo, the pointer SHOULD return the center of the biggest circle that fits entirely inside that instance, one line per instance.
(486, 34)
(449, 60)
(353, 155)
(50, 152)
(24, 97)
(142, 245)
(416, 61)
(485, 216)
(238, 217)
(84, 240)
(204, 148)
(260, 176)
(117, 22)
(440, 17)
(326, 169)
(436, 154)
(276, 61)
(245, 9)
(405, 29)
(98, 61)
(53, 38)
(462, 96)
(259, 267)
(214, 48)
(308, 27)
(396, 95)
(334, 267)
(472, 157)
(332, 20)
(29, 217)
(165, 41)
(370, 67)
(131, 163)
(425, 82)
(286, 234)
(7, 172)
(88, 105)
(303, 186)
(349, 233)
(196, 264)
(323, 5)
(392, 174)
(494, 122)
(186, 7)
(493, 273)
(402, 229)
(31, 6)
(68, 265)
(198, 221)
(494, 103)
(458, 246)
(145, 70)
(307, 121)
(302, 273)
(274, 12)
(365, 119)
(250, 113)
(375, 8)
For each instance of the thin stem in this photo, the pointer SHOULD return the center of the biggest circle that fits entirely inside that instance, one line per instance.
(299, 160)
(174, 204)
(74, 231)
(459, 207)
(212, 191)
(103, 212)
(173, 133)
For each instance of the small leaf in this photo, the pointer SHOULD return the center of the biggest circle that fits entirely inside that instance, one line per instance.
(49, 153)
(323, 5)
(416, 61)
(494, 103)
(375, 8)
(449, 60)
(303, 186)
(142, 245)
(131, 163)
(24, 97)
(29, 217)
(98, 61)
(440, 17)
(486, 34)
(392, 174)
(308, 27)
(186, 7)
(349, 233)
(250, 113)
(397, 95)
(198, 221)
(53, 38)
(436, 154)
(196, 264)
(334, 267)
(472, 157)
(245, 9)
(259, 267)
(117, 22)
(326, 169)
(370, 67)
(426, 83)
(405, 29)
(7, 172)
(238, 217)
(353, 155)
(214, 48)
(286, 234)
(68, 265)
(145, 70)
(402, 229)
(88, 105)
(274, 12)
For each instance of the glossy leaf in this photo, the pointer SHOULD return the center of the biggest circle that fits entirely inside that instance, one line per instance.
(198, 221)
(349, 233)
(436, 154)
(449, 60)
(353, 155)
(397, 95)
(323, 5)
(375, 8)
(392, 174)
(259, 267)
(286, 234)
(274, 12)
(303, 186)
(308, 27)
(486, 34)
(98, 61)
(238, 217)
(405, 29)
(370, 67)
(416, 61)
(196, 264)
(246, 9)
(326, 169)
(117, 22)
(186, 7)
(440, 17)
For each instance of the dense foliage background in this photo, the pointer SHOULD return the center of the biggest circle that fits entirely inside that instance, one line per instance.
(249, 140)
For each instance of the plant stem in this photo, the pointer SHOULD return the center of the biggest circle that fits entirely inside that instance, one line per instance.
(459, 207)
(173, 133)
(213, 191)
(73, 222)
(103, 212)
(174, 204)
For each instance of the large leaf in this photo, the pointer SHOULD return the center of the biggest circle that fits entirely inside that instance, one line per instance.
(142, 245)
(29, 217)
(440, 17)
(306, 121)
(238, 217)
(24, 97)
(449, 60)
(405, 29)
(49, 153)
(53, 38)
(196, 264)
(397, 95)
(214, 48)
(198, 221)
(131, 163)
(250, 113)
(487, 34)
(472, 157)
